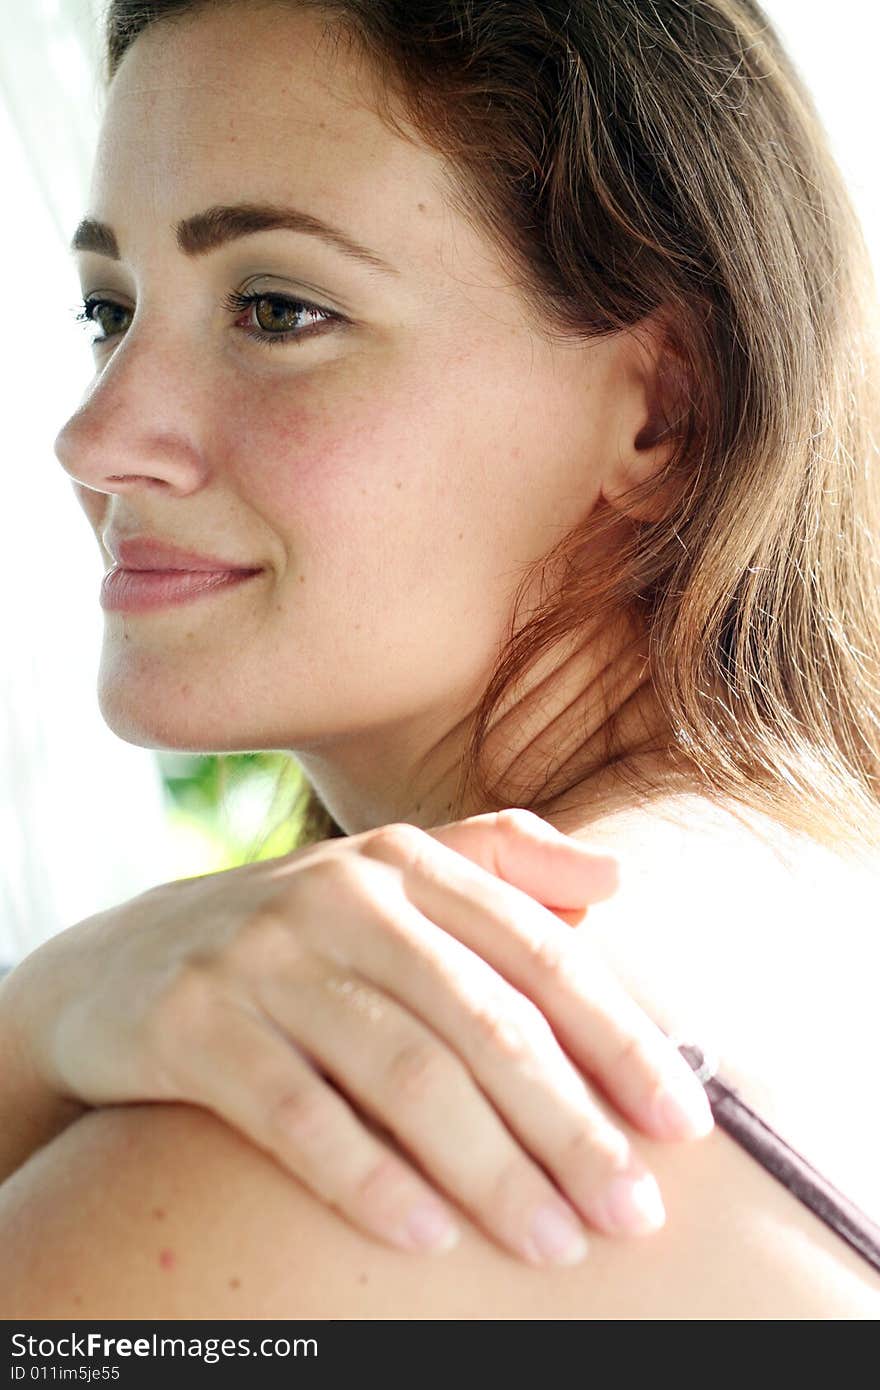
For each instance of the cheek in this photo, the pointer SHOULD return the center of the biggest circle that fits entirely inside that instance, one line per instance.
(348, 477)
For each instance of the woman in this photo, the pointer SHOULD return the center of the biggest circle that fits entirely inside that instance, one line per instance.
(597, 378)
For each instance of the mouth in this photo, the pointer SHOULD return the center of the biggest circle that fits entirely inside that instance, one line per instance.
(142, 591)
(142, 552)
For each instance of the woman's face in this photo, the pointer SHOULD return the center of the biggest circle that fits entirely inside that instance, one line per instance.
(392, 470)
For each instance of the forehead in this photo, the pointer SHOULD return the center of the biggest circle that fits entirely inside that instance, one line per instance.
(252, 101)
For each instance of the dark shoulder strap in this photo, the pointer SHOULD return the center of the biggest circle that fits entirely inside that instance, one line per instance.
(790, 1168)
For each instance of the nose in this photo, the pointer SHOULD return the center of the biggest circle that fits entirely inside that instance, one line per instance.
(136, 427)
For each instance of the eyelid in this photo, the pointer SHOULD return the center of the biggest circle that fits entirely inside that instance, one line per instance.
(296, 289)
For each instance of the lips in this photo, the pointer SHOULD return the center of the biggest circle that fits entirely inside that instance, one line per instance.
(147, 553)
(143, 591)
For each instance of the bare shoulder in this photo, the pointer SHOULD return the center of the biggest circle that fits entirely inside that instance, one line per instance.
(161, 1211)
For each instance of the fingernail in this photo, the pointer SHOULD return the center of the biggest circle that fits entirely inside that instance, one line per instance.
(429, 1228)
(633, 1204)
(556, 1236)
(683, 1112)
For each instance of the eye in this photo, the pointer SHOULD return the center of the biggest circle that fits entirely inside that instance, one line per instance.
(282, 311)
(277, 312)
(87, 309)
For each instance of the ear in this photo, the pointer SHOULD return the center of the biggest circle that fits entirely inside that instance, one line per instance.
(652, 401)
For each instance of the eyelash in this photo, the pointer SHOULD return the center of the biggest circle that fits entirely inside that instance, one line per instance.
(235, 302)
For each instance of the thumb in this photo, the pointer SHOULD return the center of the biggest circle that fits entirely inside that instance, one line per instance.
(557, 870)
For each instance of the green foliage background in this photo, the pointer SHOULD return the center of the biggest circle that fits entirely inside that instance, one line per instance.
(230, 809)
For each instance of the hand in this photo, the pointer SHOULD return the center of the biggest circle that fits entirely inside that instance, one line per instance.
(401, 982)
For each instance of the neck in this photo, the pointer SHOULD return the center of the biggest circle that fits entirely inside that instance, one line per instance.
(565, 741)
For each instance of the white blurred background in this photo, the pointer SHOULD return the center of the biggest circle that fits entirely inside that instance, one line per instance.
(83, 821)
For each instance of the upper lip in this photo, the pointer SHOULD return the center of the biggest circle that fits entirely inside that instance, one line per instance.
(148, 553)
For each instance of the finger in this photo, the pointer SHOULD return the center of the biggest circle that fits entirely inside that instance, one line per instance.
(412, 1082)
(507, 1049)
(521, 848)
(266, 1089)
(572, 916)
(595, 1019)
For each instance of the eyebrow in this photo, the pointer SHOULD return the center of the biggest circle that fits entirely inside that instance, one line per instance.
(206, 231)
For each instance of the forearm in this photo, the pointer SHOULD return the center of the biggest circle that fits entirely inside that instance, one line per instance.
(30, 1112)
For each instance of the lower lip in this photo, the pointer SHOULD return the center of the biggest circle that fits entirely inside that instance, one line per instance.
(139, 591)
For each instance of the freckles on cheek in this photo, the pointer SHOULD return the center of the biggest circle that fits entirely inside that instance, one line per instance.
(335, 472)
(286, 460)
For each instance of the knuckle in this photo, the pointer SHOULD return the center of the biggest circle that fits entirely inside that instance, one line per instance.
(397, 842)
(328, 886)
(632, 1051)
(380, 1182)
(596, 1147)
(265, 935)
(361, 883)
(521, 821)
(328, 878)
(548, 956)
(505, 1027)
(301, 1117)
(416, 1071)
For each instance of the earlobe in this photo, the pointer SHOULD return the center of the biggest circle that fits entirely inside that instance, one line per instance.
(620, 492)
(651, 430)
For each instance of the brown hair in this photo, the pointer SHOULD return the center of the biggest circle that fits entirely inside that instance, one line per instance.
(628, 157)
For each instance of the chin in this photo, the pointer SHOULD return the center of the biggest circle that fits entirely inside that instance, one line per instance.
(155, 725)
